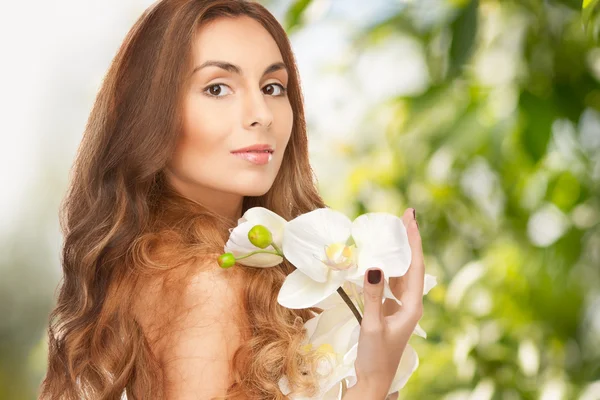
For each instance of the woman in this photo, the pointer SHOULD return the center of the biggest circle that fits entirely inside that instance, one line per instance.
(160, 177)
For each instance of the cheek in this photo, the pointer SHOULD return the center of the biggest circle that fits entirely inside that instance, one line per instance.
(204, 136)
(285, 125)
(204, 124)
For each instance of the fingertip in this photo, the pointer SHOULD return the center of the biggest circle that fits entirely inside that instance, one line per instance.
(374, 276)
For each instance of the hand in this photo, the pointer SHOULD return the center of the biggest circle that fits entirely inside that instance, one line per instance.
(383, 338)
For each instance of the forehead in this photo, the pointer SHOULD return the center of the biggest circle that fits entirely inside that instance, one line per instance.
(240, 40)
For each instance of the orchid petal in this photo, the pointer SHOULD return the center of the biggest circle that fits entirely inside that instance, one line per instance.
(420, 332)
(382, 242)
(330, 301)
(311, 325)
(350, 358)
(238, 239)
(408, 364)
(387, 292)
(331, 318)
(335, 299)
(300, 291)
(263, 216)
(338, 328)
(284, 385)
(336, 380)
(260, 260)
(333, 393)
(306, 236)
(430, 282)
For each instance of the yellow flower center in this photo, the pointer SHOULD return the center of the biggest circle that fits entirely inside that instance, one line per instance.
(339, 257)
(325, 349)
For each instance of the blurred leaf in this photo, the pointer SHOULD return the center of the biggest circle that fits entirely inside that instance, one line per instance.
(587, 15)
(565, 191)
(464, 32)
(394, 24)
(293, 17)
(588, 5)
(573, 4)
(538, 116)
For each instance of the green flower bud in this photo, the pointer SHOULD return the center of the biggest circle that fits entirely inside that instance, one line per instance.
(226, 260)
(260, 236)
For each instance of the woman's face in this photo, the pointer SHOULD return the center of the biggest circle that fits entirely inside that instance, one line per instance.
(236, 99)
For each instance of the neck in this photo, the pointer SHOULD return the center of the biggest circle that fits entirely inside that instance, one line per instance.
(228, 205)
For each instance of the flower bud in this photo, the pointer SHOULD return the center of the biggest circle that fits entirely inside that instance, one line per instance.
(260, 236)
(226, 260)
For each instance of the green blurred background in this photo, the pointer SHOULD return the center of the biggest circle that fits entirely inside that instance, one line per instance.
(482, 115)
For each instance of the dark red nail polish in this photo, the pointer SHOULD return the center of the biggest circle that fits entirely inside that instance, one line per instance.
(374, 276)
(414, 214)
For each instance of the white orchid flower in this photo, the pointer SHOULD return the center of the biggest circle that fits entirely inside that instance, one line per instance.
(328, 249)
(239, 244)
(331, 335)
(334, 335)
(355, 293)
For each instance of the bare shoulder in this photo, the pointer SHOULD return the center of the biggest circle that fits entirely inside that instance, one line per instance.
(195, 327)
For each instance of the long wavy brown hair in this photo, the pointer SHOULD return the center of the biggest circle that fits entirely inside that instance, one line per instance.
(122, 223)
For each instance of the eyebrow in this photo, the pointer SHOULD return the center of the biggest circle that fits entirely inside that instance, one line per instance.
(236, 69)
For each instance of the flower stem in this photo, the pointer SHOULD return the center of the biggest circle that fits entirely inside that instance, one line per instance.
(256, 252)
(277, 249)
(350, 304)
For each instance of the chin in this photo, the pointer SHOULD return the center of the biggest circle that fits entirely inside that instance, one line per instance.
(255, 190)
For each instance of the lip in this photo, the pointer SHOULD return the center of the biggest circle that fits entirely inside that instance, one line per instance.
(256, 147)
(255, 157)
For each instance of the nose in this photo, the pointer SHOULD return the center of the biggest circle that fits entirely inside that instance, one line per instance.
(257, 111)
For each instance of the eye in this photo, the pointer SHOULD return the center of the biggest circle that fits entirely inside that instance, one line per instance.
(215, 91)
(282, 90)
(209, 90)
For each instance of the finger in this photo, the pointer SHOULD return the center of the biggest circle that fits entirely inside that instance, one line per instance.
(408, 216)
(373, 296)
(412, 295)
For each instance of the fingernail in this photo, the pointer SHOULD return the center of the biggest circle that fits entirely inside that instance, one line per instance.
(374, 276)
(414, 214)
